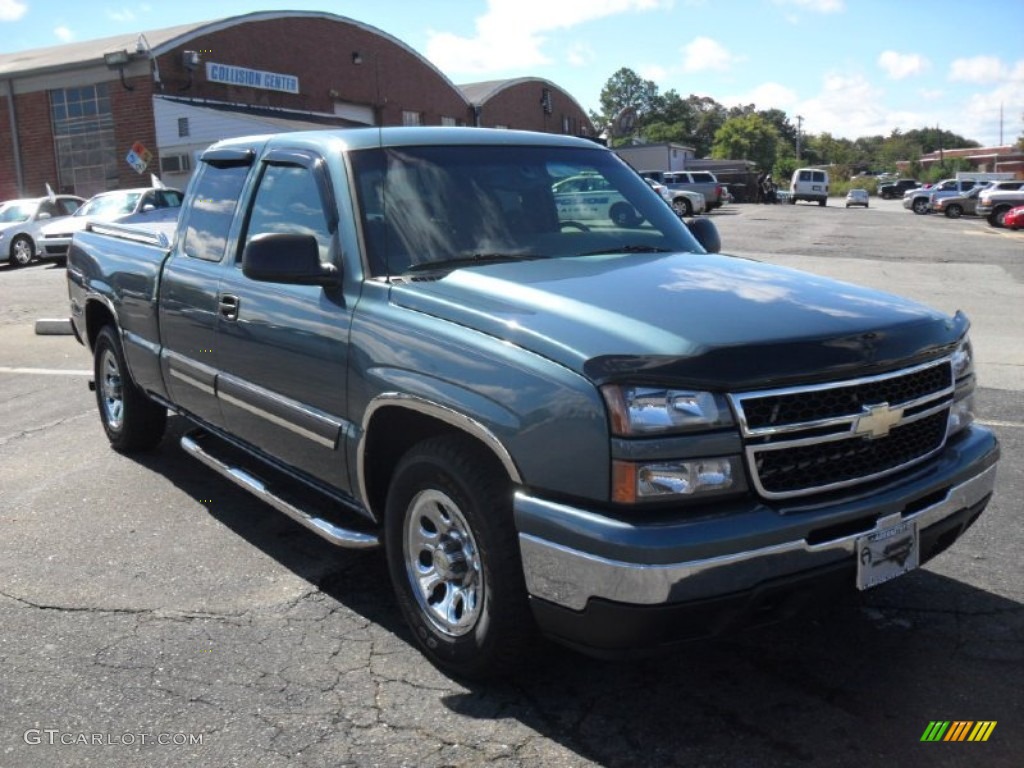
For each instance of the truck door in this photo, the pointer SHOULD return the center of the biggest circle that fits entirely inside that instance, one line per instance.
(189, 306)
(283, 349)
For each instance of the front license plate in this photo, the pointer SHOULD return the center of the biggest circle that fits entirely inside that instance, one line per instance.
(886, 554)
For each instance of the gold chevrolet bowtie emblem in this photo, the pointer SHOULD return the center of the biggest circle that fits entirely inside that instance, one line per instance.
(877, 420)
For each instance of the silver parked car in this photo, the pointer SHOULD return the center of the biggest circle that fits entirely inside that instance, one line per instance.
(857, 197)
(22, 220)
(106, 206)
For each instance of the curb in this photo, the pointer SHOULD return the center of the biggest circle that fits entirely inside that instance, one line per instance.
(61, 327)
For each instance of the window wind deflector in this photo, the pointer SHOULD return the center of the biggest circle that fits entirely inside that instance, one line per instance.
(629, 249)
(229, 158)
(470, 260)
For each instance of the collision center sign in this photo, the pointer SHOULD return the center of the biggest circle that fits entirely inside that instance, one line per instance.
(252, 78)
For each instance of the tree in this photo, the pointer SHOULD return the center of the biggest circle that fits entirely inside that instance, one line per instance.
(624, 90)
(748, 137)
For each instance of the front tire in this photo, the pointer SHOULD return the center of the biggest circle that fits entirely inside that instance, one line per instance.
(131, 420)
(998, 217)
(920, 206)
(453, 556)
(22, 251)
(954, 211)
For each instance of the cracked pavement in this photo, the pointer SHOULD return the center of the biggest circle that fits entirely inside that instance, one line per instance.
(148, 597)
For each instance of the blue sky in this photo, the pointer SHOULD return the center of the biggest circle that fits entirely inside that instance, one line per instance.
(850, 67)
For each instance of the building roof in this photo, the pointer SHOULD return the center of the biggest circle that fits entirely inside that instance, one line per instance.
(477, 94)
(156, 42)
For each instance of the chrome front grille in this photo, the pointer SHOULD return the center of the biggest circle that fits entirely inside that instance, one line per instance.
(804, 440)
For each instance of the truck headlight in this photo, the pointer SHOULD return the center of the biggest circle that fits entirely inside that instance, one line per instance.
(637, 411)
(961, 412)
(634, 482)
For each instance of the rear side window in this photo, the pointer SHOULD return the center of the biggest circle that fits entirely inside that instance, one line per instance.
(213, 208)
(703, 177)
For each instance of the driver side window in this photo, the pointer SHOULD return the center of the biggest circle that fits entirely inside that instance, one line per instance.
(288, 201)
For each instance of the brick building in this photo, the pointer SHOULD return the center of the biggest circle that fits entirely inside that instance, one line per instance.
(103, 114)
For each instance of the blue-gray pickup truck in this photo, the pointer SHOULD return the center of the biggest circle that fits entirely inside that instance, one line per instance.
(551, 412)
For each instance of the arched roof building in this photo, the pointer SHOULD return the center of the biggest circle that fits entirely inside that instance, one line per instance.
(95, 115)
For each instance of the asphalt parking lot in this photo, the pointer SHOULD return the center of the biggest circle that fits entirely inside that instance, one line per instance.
(153, 614)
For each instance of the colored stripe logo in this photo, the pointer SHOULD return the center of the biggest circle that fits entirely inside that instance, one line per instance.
(958, 730)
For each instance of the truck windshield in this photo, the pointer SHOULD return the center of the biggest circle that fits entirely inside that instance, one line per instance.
(449, 205)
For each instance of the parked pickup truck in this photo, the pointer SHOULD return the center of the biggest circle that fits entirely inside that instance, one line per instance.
(920, 201)
(705, 182)
(994, 204)
(892, 189)
(397, 337)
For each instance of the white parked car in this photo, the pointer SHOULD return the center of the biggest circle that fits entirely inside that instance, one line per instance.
(106, 206)
(685, 202)
(22, 220)
(857, 197)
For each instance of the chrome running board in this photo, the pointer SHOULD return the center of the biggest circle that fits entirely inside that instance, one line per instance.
(335, 534)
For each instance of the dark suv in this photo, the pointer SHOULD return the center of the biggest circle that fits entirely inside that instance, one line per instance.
(894, 189)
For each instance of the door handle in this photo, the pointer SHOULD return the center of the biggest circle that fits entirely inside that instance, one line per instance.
(227, 305)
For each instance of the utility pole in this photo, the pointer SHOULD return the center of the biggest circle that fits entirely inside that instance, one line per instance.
(799, 123)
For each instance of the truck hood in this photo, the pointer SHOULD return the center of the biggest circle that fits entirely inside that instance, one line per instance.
(707, 320)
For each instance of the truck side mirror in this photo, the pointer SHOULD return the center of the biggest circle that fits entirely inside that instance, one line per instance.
(277, 257)
(706, 233)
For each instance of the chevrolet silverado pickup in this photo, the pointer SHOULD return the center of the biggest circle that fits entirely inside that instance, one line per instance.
(548, 416)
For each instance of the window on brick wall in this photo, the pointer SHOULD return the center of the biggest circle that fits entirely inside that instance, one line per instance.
(83, 136)
(449, 121)
(411, 118)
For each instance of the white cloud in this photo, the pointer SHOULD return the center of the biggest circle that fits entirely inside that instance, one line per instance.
(580, 55)
(901, 65)
(120, 14)
(818, 6)
(772, 96)
(64, 34)
(848, 107)
(980, 69)
(706, 54)
(12, 10)
(509, 35)
(931, 94)
(978, 118)
(654, 72)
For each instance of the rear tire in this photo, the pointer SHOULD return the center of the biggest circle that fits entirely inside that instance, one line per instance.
(682, 207)
(954, 211)
(623, 215)
(453, 556)
(822, 203)
(131, 420)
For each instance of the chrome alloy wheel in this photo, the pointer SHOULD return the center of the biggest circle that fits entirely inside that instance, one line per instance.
(111, 390)
(442, 563)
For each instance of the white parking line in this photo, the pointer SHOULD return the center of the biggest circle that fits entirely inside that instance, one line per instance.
(45, 371)
(996, 423)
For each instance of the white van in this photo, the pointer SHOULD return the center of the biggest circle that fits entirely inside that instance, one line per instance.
(809, 184)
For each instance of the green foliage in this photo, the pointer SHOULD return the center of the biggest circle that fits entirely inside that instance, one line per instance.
(696, 121)
(747, 137)
(625, 90)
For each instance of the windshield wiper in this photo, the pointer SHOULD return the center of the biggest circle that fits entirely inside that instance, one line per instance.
(628, 249)
(471, 260)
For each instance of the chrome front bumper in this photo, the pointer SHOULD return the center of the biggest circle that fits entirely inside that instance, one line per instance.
(570, 577)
